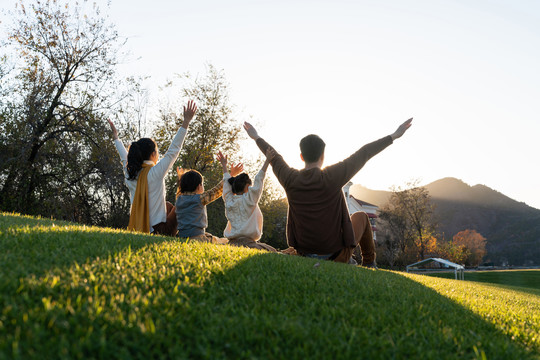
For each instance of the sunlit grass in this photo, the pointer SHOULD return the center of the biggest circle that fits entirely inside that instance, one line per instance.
(69, 291)
(514, 312)
(524, 280)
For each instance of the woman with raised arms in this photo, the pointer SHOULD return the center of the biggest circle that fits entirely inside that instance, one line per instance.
(144, 176)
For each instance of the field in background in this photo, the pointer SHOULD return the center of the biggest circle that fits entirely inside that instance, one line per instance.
(527, 280)
(71, 291)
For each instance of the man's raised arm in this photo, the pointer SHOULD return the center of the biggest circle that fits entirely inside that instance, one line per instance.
(343, 171)
(279, 166)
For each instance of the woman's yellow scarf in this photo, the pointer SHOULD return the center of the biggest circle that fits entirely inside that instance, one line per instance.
(139, 220)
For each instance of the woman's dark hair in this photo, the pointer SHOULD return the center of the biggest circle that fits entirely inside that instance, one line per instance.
(139, 151)
(238, 183)
(190, 181)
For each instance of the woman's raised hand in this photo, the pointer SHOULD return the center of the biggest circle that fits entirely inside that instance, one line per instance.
(113, 129)
(189, 113)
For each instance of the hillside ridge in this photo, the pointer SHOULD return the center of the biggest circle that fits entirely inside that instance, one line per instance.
(512, 228)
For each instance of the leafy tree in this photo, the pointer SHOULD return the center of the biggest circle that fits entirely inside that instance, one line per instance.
(274, 208)
(58, 159)
(452, 251)
(393, 235)
(473, 245)
(429, 244)
(408, 221)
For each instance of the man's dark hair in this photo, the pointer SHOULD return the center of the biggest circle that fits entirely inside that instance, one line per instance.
(312, 147)
(190, 181)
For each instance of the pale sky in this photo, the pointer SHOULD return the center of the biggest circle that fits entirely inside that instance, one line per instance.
(352, 71)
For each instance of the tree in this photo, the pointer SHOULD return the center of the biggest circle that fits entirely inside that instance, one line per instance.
(408, 219)
(473, 245)
(274, 208)
(393, 231)
(58, 159)
(452, 251)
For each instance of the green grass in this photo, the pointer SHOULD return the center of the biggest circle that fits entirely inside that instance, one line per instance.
(524, 280)
(69, 291)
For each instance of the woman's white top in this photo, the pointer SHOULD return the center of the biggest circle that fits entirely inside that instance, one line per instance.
(156, 177)
(242, 211)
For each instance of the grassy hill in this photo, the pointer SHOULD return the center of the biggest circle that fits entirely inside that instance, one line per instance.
(70, 291)
(512, 228)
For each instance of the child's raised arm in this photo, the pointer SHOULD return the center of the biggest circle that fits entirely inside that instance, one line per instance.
(270, 154)
(255, 191)
(223, 160)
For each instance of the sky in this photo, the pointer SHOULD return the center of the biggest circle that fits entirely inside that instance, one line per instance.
(352, 71)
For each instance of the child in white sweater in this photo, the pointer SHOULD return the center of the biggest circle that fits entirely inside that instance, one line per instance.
(241, 198)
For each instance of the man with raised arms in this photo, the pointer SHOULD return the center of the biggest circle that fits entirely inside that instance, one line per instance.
(318, 221)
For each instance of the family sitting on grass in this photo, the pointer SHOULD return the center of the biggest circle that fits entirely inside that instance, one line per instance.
(318, 221)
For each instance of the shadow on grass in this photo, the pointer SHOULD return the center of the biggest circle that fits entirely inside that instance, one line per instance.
(256, 305)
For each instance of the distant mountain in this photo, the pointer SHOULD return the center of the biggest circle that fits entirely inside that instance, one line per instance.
(512, 228)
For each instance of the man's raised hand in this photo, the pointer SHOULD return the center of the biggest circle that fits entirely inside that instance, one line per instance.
(189, 113)
(401, 129)
(252, 133)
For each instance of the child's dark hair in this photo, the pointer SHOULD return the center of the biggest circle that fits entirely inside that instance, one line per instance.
(139, 151)
(312, 147)
(238, 183)
(189, 181)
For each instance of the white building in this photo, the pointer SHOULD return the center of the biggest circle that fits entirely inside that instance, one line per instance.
(355, 205)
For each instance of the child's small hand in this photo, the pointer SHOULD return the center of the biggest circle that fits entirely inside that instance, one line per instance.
(180, 172)
(222, 158)
(270, 154)
(236, 169)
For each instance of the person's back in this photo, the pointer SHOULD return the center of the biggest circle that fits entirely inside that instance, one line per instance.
(191, 204)
(241, 199)
(191, 215)
(316, 212)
